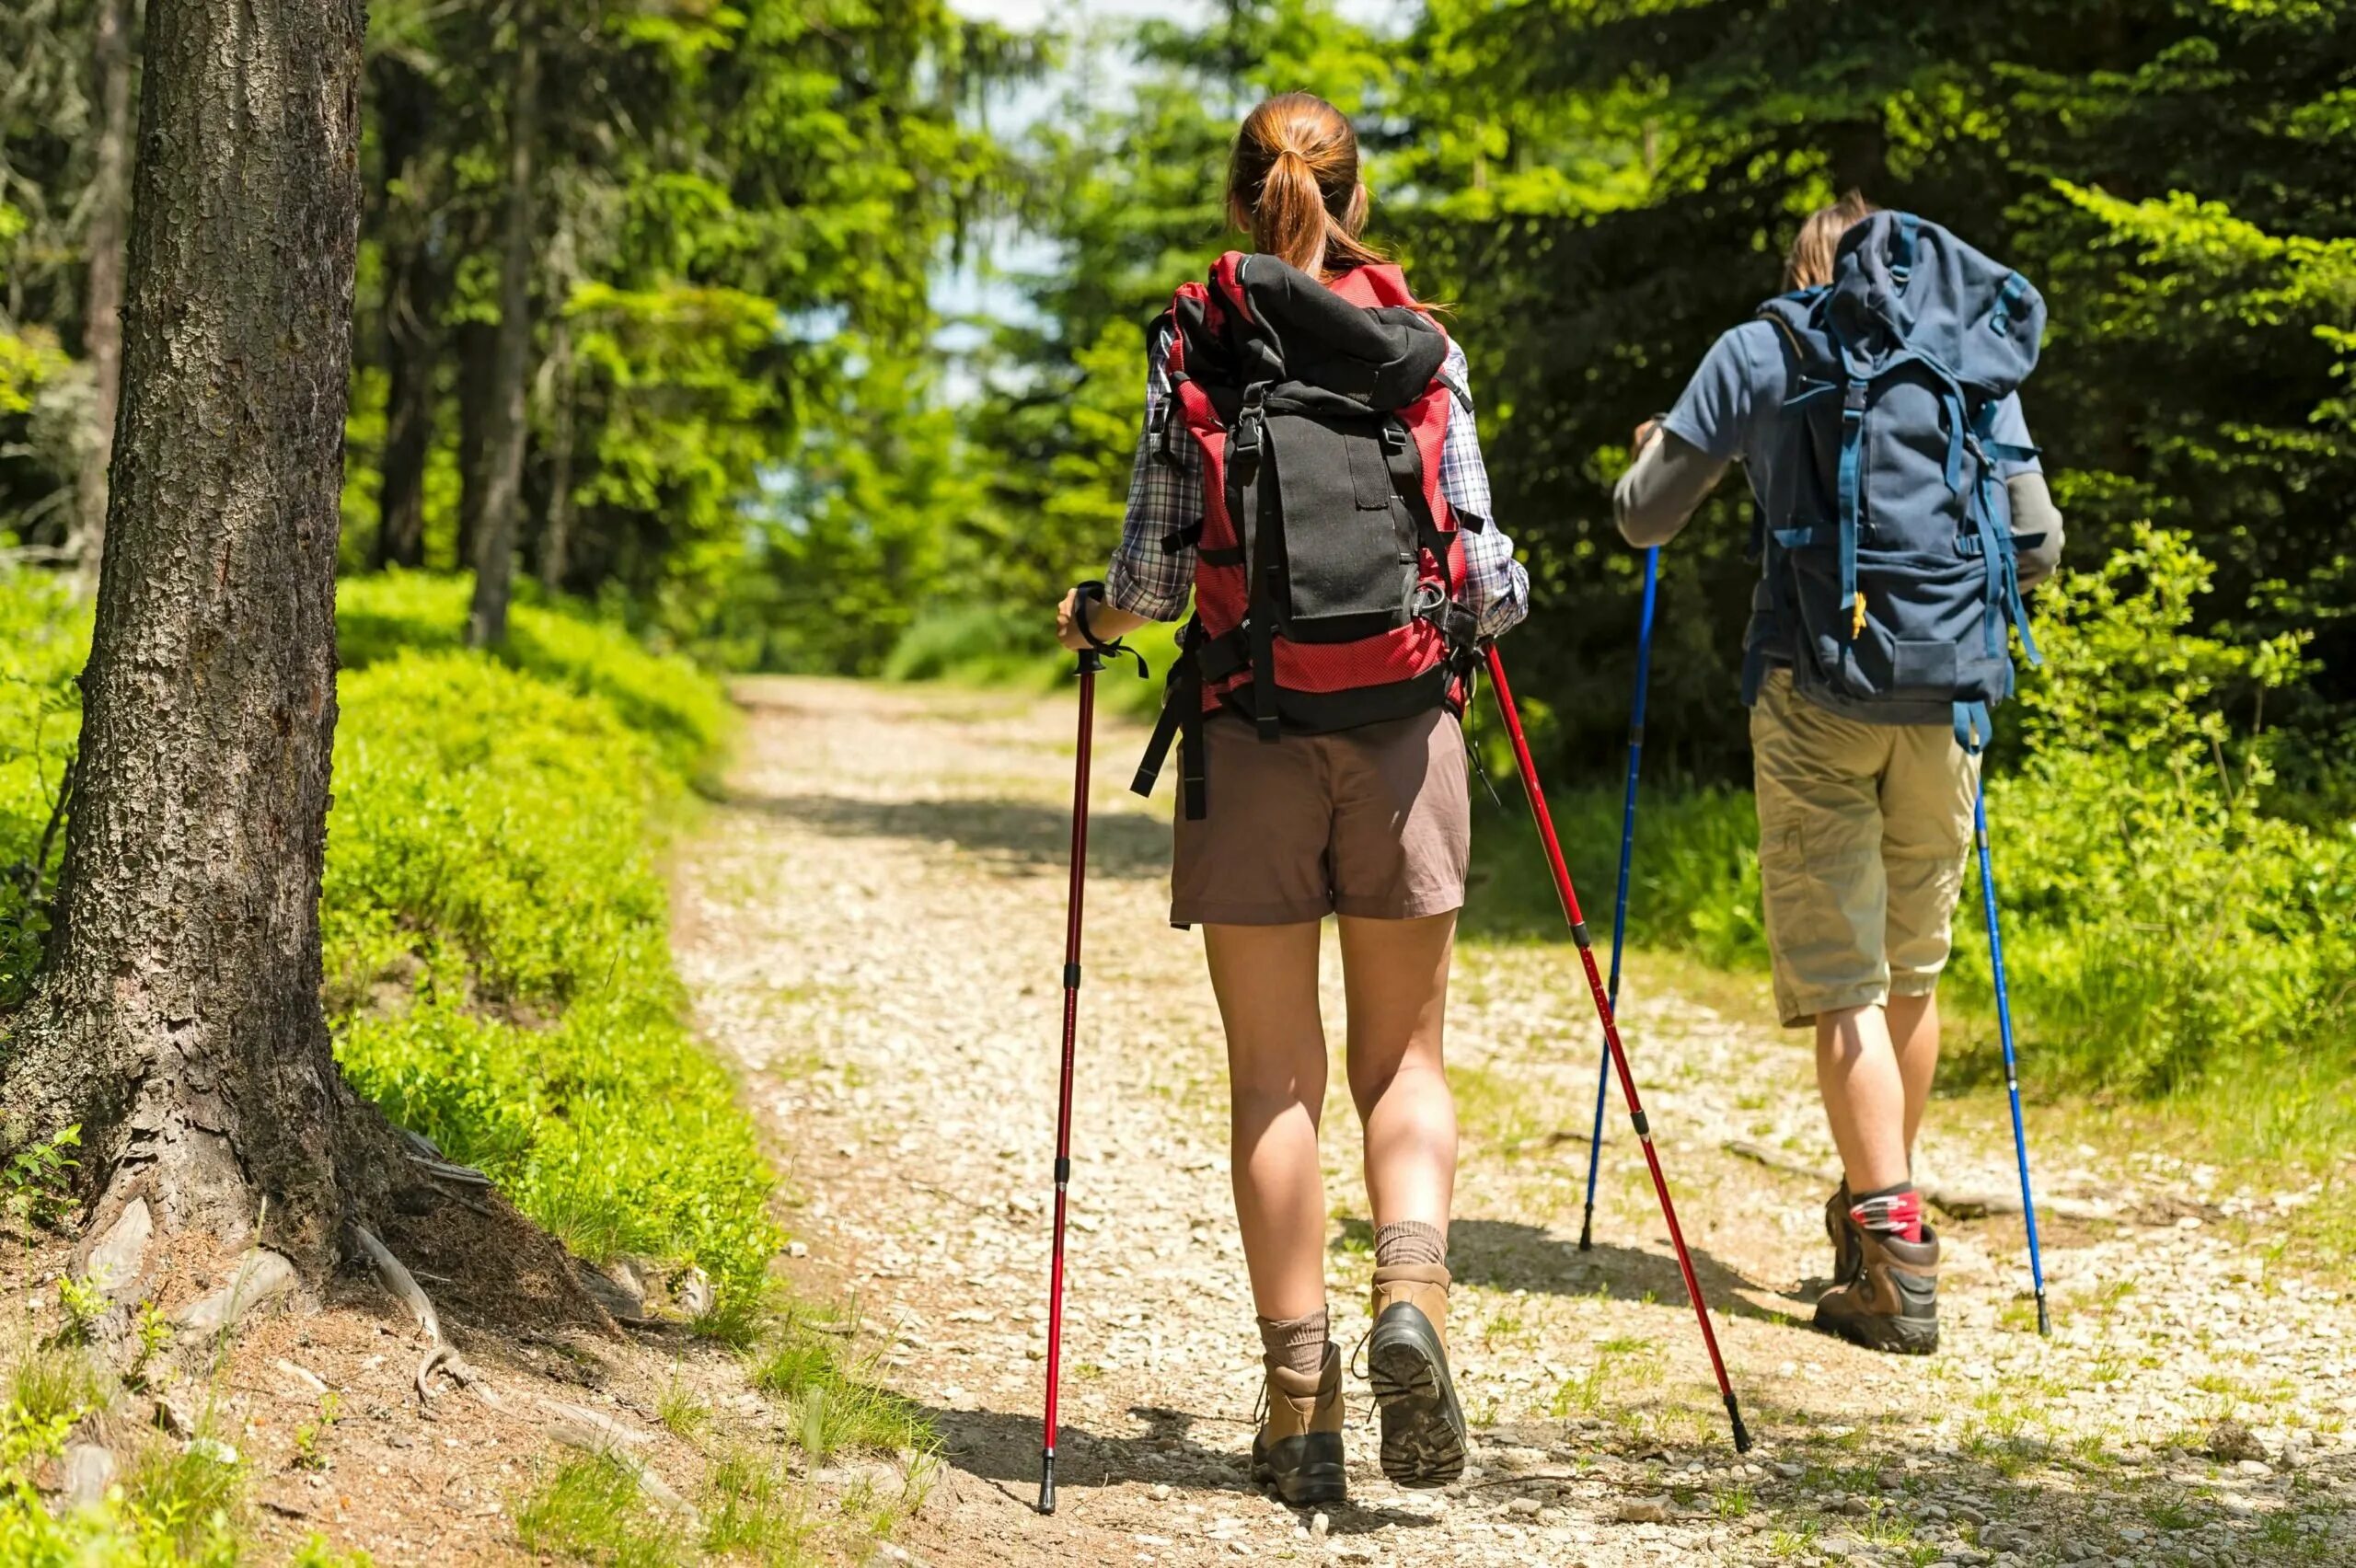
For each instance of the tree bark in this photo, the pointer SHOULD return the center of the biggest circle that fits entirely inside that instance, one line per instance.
(478, 351)
(178, 1019)
(556, 540)
(511, 370)
(102, 330)
(412, 300)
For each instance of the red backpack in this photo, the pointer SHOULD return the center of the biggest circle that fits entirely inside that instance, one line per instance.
(1329, 578)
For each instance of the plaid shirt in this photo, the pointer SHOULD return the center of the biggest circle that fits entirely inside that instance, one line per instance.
(1146, 579)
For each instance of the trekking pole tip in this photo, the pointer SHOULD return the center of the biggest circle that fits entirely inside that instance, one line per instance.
(1741, 1432)
(1046, 1483)
(2044, 1317)
(1587, 1232)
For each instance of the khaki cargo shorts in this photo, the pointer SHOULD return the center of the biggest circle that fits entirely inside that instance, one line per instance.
(1863, 833)
(1375, 822)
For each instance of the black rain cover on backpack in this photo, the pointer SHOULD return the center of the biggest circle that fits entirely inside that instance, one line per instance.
(1888, 567)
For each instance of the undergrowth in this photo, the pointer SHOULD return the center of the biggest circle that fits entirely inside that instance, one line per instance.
(496, 933)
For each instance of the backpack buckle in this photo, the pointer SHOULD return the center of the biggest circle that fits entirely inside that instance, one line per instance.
(1394, 439)
(1853, 401)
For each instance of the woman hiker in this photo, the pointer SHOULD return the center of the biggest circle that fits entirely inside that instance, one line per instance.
(1865, 806)
(1310, 472)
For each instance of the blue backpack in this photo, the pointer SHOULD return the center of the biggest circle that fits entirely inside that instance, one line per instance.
(1888, 567)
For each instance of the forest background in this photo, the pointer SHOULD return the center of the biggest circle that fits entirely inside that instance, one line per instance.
(810, 338)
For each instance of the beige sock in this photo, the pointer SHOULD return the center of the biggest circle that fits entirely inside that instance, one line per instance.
(1410, 1242)
(1297, 1344)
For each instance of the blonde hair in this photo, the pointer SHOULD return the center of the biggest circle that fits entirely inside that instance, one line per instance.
(1292, 184)
(1809, 264)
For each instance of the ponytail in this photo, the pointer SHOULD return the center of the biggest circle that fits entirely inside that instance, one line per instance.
(1293, 185)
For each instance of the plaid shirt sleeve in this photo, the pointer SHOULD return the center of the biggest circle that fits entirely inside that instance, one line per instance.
(1164, 497)
(1496, 585)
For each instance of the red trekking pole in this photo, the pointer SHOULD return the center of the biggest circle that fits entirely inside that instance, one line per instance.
(1090, 661)
(1612, 1035)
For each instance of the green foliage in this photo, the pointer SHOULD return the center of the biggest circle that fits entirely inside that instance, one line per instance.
(43, 635)
(2162, 925)
(36, 1186)
(835, 1406)
(666, 699)
(1014, 646)
(495, 934)
(1696, 870)
(173, 1508)
(590, 1509)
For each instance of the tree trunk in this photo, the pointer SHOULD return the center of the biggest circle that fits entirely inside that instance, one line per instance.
(412, 299)
(178, 1019)
(510, 372)
(478, 351)
(102, 331)
(556, 541)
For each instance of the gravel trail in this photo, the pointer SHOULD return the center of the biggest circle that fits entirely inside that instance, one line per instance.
(873, 926)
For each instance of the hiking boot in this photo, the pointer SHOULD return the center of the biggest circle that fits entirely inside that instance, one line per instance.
(1423, 1438)
(1841, 1227)
(1893, 1302)
(1298, 1450)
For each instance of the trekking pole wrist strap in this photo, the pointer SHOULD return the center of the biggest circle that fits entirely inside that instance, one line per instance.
(1115, 648)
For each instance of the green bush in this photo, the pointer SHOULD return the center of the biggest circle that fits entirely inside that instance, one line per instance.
(488, 854)
(1694, 874)
(45, 637)
(2161, 923)
(665, 697)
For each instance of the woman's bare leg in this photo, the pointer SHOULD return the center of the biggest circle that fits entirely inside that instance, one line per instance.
(1395, 977)
(1265, 978)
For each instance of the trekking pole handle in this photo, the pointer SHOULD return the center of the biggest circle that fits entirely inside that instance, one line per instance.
(1094, 657)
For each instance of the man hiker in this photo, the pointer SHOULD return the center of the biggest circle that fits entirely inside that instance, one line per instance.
(1901, 511)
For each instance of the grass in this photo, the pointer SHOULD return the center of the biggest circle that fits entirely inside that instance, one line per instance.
(833, 1405)
(752, 1503)
(590, 1508)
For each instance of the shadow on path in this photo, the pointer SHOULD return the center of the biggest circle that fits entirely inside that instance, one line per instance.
(1007, 835)
(1001, 1448)
(1509, 1255)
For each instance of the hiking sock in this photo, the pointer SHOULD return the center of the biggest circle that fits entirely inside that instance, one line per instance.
(1410, 1242)
(1297, 1344)
(1890, 1211)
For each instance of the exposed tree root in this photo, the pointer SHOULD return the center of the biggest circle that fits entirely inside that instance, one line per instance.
(574, 1425)
(440, 1355)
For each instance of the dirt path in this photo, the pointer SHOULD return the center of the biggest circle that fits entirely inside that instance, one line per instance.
(876, 931)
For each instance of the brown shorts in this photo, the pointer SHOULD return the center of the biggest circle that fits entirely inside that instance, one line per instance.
(1373, 822)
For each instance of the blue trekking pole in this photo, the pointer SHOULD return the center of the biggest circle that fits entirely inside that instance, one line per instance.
(2005, 1030)
(1627, 853)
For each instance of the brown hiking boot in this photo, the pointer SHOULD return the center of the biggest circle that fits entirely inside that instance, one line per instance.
(1842, 1228)
(1298, 1450)
(1424, 1437)
(1892, 1302)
